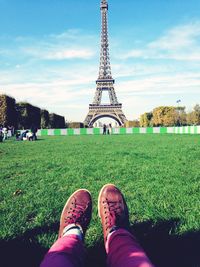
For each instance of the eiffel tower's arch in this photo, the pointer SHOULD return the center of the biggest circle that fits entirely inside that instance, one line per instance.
(100, 116)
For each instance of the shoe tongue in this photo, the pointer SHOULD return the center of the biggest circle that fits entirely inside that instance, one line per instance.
(78, 201)
(81, 203)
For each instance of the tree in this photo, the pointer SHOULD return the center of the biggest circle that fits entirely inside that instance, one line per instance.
(169, 116)
(181, 116)
(134, 123)
(197, 114)
(44, 123)
(146, 119)
(73, 124)
(56, 121)
(193, 118)
(157, 116)
(190, 118)
(28, 115)
(8, 114)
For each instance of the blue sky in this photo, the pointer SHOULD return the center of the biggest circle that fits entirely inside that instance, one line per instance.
(49, 53)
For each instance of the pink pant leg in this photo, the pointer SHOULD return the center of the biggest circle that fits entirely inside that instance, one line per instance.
(67, 251)
(124, 251)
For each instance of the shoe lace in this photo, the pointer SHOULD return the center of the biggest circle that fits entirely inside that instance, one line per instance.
(75, 214)
(112, 212)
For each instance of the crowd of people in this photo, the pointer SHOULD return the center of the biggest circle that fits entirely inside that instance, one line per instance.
(30, 135)
(27, 135)
(9, 131)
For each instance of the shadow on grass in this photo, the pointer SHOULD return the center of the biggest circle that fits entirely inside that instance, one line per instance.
(166, 248)
(162, 246)
(24, 251)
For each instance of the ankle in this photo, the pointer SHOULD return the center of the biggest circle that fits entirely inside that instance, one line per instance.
(73, 229)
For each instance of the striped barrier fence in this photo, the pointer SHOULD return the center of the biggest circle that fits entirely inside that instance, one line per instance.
(141, 130)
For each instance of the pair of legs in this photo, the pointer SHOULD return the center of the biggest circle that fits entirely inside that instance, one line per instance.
(121, 246)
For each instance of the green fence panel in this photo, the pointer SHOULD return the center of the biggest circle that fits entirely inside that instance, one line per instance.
(83, 131)
(44, 132)
(163, 130)
(149, 130)
(70, 131)
(122, 130)
(57, 132)
(136, 130)
(96, 130)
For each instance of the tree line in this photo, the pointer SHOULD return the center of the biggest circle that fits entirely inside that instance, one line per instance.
(23, 115)
(170, 116)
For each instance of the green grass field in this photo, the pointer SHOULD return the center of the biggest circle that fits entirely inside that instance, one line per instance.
(158, 174)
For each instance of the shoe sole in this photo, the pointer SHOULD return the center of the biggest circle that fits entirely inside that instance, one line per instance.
(100, 195)
(69, 200)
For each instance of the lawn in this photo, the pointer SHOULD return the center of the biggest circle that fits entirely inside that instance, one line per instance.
(158, 174)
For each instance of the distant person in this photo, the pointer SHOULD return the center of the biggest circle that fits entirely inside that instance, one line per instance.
(121, 246)
(13, 130)
(17, 135)
(9, 131)
(34, 131)
(5, 133)
(110, 128)
(104, 129)
(1, 134)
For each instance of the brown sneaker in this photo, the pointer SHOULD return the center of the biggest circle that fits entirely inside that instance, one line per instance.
(77, 210)
(112, 209)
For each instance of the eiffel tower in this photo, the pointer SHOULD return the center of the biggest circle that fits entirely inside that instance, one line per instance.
(105, 82)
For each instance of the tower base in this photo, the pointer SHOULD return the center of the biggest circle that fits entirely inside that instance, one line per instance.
(100, 111)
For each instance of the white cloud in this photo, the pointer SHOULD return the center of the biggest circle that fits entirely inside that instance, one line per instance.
(72, 44)
(58, 53)
(78, 53)
(161, 85)
(179, 43)
(179, 37)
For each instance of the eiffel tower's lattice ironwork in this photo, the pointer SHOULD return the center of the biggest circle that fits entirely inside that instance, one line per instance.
(105, 81)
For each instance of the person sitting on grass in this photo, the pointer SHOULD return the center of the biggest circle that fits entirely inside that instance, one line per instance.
(22, 136)
(121, 246)
(25, 136)
(29, 136)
